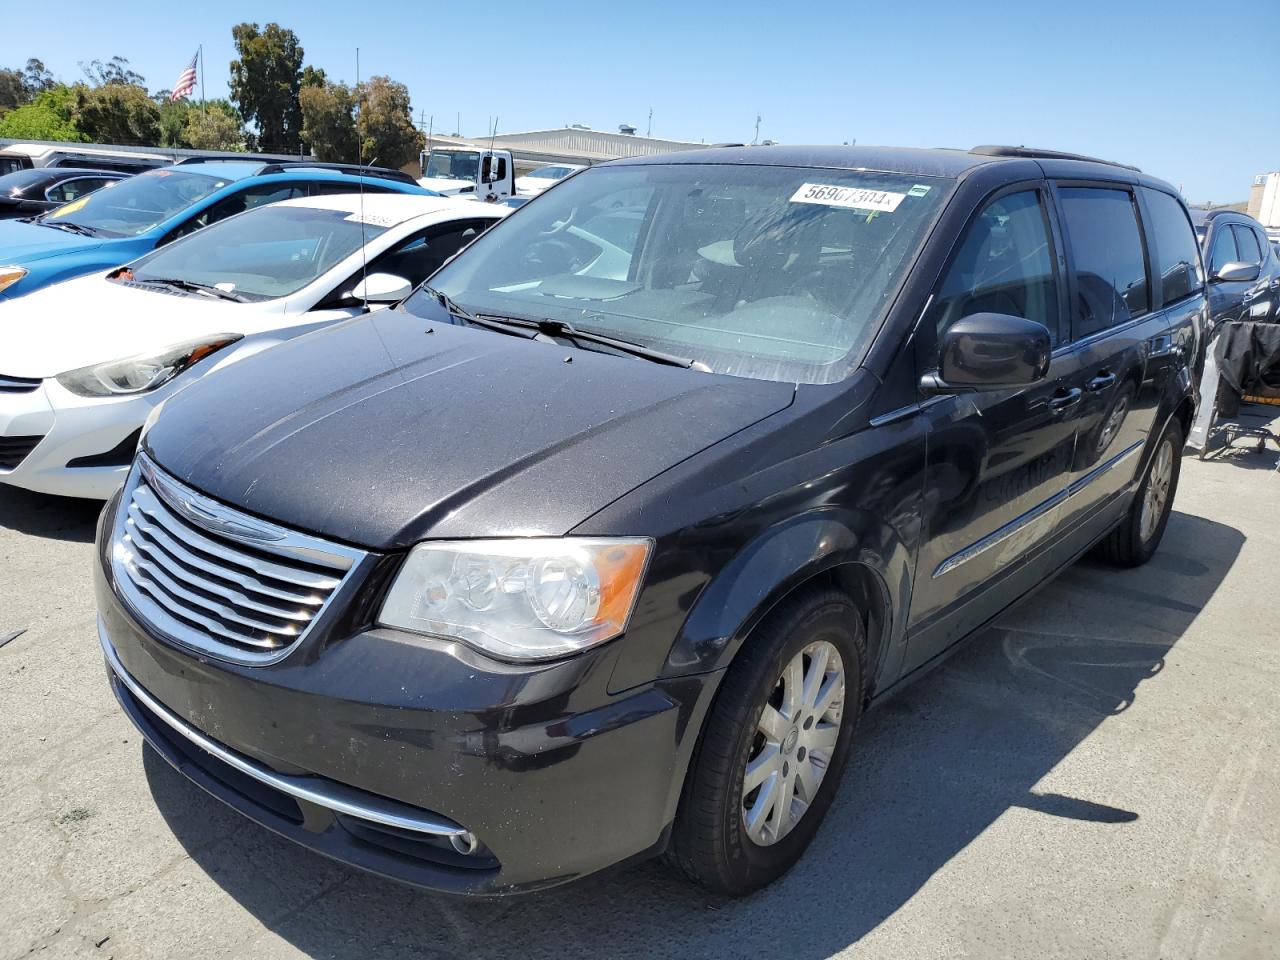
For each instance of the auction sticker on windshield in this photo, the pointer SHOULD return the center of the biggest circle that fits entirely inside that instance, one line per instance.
(856, 197)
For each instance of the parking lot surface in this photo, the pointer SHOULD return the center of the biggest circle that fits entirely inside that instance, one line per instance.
(1094, 777)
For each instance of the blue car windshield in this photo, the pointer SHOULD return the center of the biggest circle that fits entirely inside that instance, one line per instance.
(131, 207)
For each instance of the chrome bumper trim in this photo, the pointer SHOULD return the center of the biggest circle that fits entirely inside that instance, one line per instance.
(324, 793)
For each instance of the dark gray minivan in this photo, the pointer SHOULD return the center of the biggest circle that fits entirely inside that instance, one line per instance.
(598, 545)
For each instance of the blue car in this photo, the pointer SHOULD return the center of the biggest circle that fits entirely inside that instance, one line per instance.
(124, 220)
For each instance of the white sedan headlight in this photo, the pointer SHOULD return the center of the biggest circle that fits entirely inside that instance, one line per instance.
(527, 599)
(140, 374)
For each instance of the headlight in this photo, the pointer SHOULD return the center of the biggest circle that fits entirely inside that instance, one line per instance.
(519, 599)
(140, 374)
(9, 276)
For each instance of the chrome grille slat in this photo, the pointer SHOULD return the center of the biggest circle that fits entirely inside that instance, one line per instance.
(146, 501)
(157, 576)
(207, 576)
(156, 534)
(212, 625)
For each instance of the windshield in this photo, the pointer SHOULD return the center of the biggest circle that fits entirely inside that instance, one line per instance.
(130, 207)
(262, 254)
(12, 183)
(451, 165)
(778, 273)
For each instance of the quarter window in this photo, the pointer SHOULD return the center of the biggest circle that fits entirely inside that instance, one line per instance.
(1224, 249)
(1111, 268)
(1177, 251)
(1247, 244)
(1004, 265)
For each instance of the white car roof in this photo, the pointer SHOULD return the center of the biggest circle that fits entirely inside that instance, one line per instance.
(390, 209)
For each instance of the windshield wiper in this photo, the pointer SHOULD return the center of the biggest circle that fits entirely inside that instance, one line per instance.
(67, 225)
(567, 331)
(548, 330)
(193, 287)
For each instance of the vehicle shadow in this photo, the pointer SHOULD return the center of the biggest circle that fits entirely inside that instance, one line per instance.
(932, 770)
(54, 518)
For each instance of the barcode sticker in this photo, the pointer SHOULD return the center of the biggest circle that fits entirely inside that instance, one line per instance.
(856, 198)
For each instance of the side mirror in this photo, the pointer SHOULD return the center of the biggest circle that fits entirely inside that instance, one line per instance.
(493, 168)
(990, 351)
(381, 288)
(1236, 271)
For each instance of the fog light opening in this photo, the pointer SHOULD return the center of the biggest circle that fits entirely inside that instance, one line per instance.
(465, 843)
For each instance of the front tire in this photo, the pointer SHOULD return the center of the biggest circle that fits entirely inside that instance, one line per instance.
(774, 746)
(1134, 542)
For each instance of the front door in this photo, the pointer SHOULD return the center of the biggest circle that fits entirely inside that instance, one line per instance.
(998, 462)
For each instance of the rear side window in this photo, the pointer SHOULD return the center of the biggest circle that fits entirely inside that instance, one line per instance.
(1224, 248)
(1177, 252)
(1111, 270)
(1247, 244)
(1004, 265)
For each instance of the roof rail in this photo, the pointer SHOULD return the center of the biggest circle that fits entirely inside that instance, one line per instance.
(1032, 153)
(279, 166)
(354, 169)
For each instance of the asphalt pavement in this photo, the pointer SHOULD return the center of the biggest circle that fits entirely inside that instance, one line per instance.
(1094, 777)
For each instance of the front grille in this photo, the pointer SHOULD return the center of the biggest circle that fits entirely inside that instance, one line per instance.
(13, 450)
(18, 384)
(210, 577)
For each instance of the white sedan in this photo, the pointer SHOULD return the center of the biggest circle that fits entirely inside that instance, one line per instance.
(83, 363)
(534, 182)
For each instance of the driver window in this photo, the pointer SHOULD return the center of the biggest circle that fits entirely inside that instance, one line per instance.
(1004, 265)
(257, 196)
(1224, 248)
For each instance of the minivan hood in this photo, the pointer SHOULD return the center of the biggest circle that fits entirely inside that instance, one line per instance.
(389, 429)
(93, 320)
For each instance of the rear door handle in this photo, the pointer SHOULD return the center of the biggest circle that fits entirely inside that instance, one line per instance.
(1065, 398)
(1100, 382)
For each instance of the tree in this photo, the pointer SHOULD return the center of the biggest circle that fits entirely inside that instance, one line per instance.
(172, 122)
(212, 129)
(13, 93)
(265, 81)
(20, 87)
(328, 126)
(36, 78)
(384, 123)
(47, 117)
(115, 70)
(117, 113)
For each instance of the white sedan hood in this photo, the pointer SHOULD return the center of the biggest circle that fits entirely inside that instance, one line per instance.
(93, 320)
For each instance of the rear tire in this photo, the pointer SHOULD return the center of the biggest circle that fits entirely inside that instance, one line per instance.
(785, 715)
(1135, 540)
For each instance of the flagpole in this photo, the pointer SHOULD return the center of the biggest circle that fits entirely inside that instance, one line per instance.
(200, 57)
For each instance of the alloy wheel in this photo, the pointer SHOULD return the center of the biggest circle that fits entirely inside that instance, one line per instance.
(1156, 495)
(794, 742)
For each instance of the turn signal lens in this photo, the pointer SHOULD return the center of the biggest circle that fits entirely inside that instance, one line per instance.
(9, 276)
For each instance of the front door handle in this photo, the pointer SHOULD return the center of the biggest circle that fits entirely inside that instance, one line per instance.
(1065, 398)
(1100, 382)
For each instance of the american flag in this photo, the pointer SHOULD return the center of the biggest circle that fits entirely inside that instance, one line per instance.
(186, 81)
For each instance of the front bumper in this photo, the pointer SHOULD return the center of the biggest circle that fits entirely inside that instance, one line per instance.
(553, 777)
(70, 428)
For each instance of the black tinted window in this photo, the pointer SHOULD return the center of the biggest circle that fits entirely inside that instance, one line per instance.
(1224, 248)
(1111, 272)
(1177, 253)
(1247, 244)
(1004, 265)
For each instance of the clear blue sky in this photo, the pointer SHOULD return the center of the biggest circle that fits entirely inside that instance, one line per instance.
(1181, 89)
